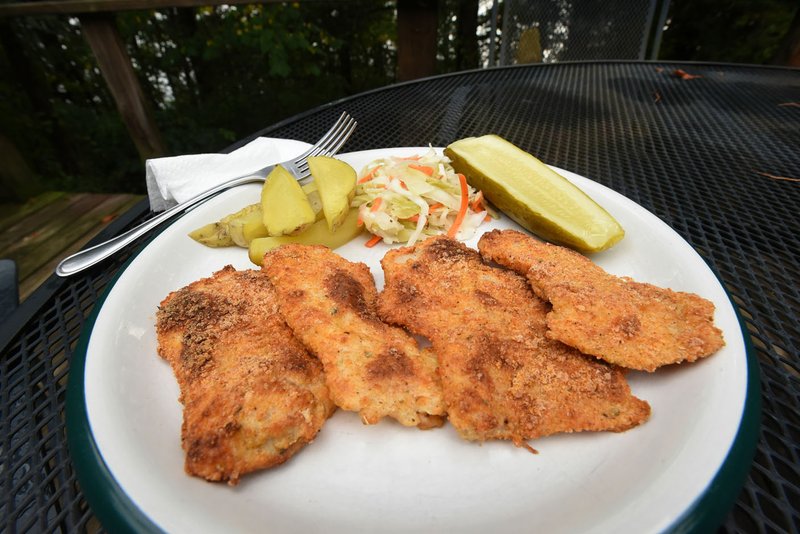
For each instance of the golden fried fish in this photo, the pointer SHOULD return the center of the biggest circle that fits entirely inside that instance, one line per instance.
(627, 323)
(371, 368)
(502, 377)
(252, 395)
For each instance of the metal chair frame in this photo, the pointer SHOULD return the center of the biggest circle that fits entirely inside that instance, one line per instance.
(651, 32)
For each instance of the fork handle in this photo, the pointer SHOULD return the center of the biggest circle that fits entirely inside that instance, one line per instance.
(86, 258)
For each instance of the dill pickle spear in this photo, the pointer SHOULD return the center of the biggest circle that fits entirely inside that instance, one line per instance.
(532, 194)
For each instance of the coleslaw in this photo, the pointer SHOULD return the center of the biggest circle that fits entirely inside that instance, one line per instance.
(403, 200)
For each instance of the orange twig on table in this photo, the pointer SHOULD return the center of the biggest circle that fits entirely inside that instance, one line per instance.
(683, 75)
(783, 178)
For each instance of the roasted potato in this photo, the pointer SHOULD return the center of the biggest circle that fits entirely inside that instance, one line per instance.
(336, 183)
(316, 234)
(284, 206)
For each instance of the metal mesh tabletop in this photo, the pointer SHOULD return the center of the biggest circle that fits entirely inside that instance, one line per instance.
(715, 157)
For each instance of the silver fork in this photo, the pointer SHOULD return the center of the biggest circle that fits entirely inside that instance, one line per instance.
(328, 145)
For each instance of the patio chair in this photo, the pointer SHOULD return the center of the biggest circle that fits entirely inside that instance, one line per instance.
(548, 31)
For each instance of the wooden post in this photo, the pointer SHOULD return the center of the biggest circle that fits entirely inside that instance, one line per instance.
(101, 33)
(789, 52)
(467, 53)
(417, 22)
(17, 179)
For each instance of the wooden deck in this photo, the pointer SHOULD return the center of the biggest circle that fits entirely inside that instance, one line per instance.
(47, 228)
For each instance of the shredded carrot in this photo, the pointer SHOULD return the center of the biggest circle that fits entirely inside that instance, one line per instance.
(371, 174)
(376, 205)
(374, 240)
(403, 184)
(413, 218)
(421, 168)
(436, 206)
(462, 211)
(477, 204)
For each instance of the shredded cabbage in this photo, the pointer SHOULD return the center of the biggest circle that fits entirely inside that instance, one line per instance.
(407, 199)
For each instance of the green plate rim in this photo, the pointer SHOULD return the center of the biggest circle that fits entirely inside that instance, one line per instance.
(118, 513)
(709, 510)
(108, 501)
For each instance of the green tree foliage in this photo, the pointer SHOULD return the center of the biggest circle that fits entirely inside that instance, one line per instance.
(217, 74)
(221, 73)
(462, 34)
(54, 106)
(737, 31)
(213, 74)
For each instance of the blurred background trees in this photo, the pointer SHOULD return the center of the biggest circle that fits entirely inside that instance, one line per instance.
(217, 74)
(736, 31)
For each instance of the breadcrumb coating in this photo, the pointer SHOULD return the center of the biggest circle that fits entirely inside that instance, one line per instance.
(502, 377)
(252, 395)
(624, 322)
(371, 368)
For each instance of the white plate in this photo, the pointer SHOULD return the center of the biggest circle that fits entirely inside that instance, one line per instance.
(124, 421)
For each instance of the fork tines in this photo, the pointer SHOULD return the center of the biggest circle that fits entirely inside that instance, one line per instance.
(328, 145)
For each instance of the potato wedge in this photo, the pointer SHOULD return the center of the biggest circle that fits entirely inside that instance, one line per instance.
(213, 235)
(247, 224)
(219, 234)
(285, 207)
(243, 226)
(310, 189)
(336, 183)
(317, 234)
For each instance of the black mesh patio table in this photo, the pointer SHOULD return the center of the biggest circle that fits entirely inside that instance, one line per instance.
(716, 157)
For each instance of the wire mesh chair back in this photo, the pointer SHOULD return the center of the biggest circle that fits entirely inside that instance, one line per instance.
(548, 31)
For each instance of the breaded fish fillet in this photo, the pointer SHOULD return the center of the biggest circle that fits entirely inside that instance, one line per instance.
(502, 378)
(371, 368)
(627, 323)
(252, 394)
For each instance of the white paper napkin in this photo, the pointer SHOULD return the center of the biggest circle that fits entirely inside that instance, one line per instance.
(176, 179)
